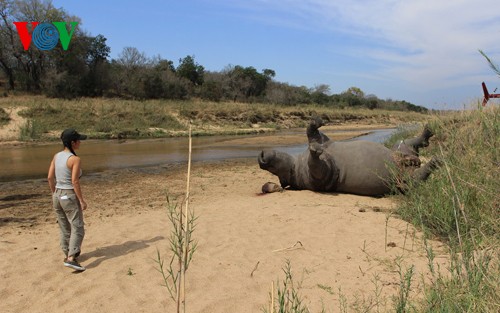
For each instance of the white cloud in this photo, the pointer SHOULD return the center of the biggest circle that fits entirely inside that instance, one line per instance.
(427, 43)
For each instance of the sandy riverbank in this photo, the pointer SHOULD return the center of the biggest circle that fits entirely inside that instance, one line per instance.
(344, 240)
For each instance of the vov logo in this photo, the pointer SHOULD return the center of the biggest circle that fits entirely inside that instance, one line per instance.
(45, 35)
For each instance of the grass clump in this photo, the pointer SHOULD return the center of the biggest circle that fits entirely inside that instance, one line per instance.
(287, 298)
(460, 204)
(402, 301)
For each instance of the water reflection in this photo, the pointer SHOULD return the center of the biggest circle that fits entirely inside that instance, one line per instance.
(17, 163)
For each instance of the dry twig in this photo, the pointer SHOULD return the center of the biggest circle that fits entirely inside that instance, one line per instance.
(254, 269)
(291, 247)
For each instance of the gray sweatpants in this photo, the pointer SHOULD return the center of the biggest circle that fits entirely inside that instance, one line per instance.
(70, 219)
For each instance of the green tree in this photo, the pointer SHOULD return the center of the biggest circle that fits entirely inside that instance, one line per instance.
(96, 82)
(320, 94)
(270, 74)
(160, 81)
(190, 70)
(154, 87)
(286, 94)
(128, 73)
(355, 91)
(246, 83)
(7, 42)
(165, 65)
(98, 51)
(211, 90)
(353, 96)
(67, 72)
(372, 101)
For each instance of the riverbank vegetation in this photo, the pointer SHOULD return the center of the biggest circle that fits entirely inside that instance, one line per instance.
(119, 118)
(460, 205)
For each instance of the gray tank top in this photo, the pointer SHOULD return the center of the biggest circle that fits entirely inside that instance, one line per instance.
(63, 173)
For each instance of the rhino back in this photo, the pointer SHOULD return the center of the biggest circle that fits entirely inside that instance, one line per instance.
(363, 167)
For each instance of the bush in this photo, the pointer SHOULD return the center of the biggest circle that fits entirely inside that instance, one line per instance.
(4, 117)
(212, 91)
(63, 85)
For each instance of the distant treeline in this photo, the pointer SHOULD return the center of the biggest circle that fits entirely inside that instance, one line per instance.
(86, 70)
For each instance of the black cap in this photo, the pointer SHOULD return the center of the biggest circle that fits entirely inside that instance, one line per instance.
(71, 134)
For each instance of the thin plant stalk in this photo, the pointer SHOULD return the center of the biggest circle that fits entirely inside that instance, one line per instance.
(272, 298)
(456, 199)
(181, 244)
(186, 231)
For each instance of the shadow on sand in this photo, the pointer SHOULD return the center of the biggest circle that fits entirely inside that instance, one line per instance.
(114, 251)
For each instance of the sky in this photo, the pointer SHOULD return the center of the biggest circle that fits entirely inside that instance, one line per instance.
(421, 51)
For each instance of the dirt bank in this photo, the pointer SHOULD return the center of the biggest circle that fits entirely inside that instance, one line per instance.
(11, 131)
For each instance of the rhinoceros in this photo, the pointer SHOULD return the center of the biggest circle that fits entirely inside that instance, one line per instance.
(356, 167)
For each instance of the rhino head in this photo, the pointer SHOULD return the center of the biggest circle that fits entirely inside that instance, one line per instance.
(278, 163)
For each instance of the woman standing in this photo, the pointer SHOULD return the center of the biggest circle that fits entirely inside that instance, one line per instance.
(67, 199)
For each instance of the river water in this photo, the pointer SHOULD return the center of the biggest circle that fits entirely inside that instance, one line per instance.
(32, 161)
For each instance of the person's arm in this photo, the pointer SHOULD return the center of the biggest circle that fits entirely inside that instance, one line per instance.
(75, 165)
(51, 177)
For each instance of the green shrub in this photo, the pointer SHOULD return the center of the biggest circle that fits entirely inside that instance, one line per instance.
(31, 130)
(288, 298)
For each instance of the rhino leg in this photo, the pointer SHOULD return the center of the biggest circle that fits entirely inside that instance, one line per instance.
(323, 173)
(313, 133)
(412, 145)
(418, 176)
(421, 174)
